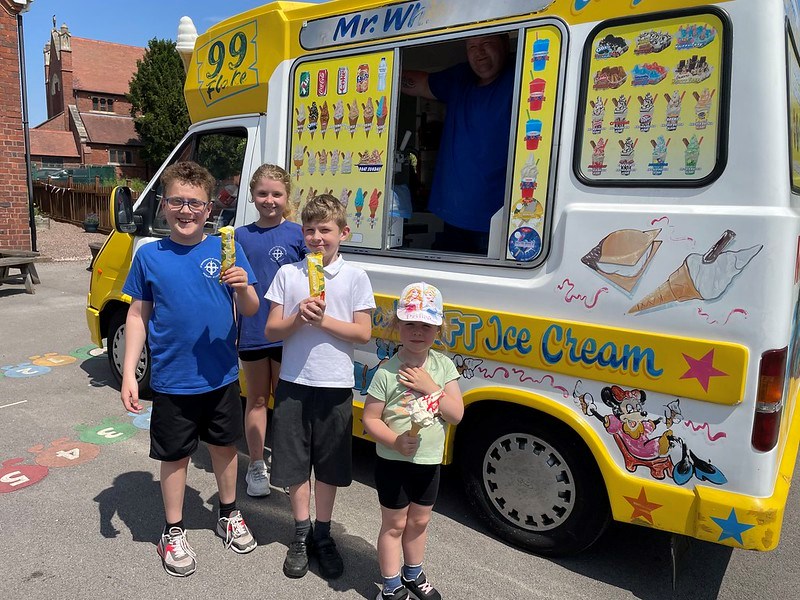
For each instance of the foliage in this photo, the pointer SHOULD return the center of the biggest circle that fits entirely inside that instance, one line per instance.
(136, 184)
(91, 218)
(157, 104)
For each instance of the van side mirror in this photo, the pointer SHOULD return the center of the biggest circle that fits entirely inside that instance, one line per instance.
(122, 210)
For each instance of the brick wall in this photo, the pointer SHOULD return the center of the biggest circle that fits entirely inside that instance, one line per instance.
(14, 220)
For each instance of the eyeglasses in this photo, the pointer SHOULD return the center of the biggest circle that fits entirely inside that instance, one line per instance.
(177, 203)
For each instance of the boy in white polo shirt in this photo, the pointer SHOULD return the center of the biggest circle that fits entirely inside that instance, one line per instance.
(313, 414)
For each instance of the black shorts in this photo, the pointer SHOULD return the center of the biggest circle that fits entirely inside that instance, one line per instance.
(178, 421)
(399, 483)
(273, 353)
(312, 427)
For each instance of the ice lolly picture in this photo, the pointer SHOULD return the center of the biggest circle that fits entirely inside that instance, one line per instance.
(701, 276)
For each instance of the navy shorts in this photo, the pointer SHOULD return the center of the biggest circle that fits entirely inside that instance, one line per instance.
(400, 483)
(312, 427)
(273, 353)
(178, 421)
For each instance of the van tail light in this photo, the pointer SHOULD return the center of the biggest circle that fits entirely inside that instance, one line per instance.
(769, 401)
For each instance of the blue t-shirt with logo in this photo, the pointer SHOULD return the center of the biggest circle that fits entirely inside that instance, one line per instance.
(191, 332)
(267, 249)
(469, 181)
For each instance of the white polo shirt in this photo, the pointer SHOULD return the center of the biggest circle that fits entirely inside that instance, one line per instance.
(311, 356)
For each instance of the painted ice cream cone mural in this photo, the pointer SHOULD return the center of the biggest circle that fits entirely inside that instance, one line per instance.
(324, 118)
(374, 199)
(626, 159)
(528, 175)
(701, 276)
(359, 204)
(298, 157)
(702, 107)
(620, 113)
(381, 113)
(322, 157)
(622, 256)
(352, 117)
(369, 114)
(598, 156)
(647, 104)
(313, 117)
(338, 116)
(691, 154)
(598, 113)
(295, 199)
(300, 119)
(344, 197)
(673, 109)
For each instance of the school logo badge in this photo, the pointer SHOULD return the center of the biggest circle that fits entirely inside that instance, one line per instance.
(210, 267)
(278, 253)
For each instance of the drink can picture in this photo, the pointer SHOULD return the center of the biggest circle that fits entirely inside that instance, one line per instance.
(322, 82)
(305, 83)
(362, 78)
(341, 80)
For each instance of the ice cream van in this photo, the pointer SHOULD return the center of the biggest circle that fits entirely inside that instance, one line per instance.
(628, 344)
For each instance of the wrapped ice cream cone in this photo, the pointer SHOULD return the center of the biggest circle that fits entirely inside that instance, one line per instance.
(678, 288)
(337, 126)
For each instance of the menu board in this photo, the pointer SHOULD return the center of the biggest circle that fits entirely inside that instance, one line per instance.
(651, 107)
(534, 142)
(340, 138)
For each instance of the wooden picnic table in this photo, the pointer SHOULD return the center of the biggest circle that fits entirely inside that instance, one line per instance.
(22, 261)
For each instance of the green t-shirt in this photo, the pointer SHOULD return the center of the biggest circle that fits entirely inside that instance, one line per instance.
(386, 387)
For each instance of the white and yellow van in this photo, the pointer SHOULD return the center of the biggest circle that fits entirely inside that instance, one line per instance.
(628, 345)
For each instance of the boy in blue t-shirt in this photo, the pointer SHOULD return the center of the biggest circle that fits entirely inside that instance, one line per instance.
(185, 309)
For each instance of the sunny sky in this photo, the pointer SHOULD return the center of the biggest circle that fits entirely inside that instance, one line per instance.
(133, 23)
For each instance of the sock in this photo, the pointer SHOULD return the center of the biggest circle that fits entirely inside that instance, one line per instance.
(169, 525)
(410, 573)
(225, 510)
(301, 529)
(322, 529)
(390, 584)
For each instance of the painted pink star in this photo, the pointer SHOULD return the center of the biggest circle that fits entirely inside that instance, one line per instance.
(702, 369)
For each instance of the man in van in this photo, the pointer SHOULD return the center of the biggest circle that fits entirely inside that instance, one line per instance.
(470, 178)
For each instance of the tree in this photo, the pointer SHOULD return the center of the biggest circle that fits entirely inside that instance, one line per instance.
(157, 104)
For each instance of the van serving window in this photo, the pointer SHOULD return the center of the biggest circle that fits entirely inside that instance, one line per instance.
(396, 155)
(654, 101)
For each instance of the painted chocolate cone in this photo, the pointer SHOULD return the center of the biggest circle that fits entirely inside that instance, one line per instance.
(678, 288)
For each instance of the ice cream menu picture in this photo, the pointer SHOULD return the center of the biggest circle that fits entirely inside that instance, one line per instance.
(652, 101)
(534, 142)
(340, 138)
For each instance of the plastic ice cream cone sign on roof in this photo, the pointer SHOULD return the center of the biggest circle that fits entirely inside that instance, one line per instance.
(187, 35)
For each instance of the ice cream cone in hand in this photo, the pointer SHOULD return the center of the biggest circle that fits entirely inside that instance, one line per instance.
(414, 431)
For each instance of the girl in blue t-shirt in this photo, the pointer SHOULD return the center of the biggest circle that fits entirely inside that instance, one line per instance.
(269, 243)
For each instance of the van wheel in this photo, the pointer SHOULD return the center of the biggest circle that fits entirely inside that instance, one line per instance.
(534, 482)
(116, 354)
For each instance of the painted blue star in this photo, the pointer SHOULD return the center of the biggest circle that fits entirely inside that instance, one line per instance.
(731, 527)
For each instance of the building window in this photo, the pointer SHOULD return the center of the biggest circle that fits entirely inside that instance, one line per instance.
(102, 104)
(119, 157)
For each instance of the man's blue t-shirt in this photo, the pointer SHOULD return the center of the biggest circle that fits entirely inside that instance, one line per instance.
(267, 249)
(470, 177)
(191, 332)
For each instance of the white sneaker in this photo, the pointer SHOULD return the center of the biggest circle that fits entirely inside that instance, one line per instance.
(257, 479)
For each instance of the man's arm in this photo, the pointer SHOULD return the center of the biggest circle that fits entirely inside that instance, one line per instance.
(279, 327)
(135, 337)
(415, 83)
(357, 332)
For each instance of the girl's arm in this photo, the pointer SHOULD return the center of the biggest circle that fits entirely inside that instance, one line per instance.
(380, 432)
(451, 405)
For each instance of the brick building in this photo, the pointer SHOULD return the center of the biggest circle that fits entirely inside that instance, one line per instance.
(14, 209)
(88, 117)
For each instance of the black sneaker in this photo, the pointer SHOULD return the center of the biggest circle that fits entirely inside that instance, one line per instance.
(296, 563)
(331, 565)
(400, 593)
(421, 589)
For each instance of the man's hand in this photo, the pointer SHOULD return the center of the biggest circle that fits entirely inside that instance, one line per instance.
(129, 393)
(236, 277)
(312, 310)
